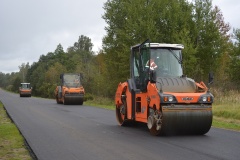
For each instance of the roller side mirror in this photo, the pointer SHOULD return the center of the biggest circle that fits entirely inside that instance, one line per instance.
(210, 78)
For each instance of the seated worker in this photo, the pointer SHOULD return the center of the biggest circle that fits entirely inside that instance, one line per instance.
(76, 80)
(152, 65)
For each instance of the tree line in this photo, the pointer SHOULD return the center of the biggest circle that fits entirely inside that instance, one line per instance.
(211, 45)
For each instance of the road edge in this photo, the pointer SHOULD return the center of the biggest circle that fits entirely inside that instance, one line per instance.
(28, 147)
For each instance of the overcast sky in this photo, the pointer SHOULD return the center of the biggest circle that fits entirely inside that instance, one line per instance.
(30, 28)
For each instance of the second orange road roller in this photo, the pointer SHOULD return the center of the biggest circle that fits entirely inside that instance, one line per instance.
(160, 95)
(25, 90)
(71, 90)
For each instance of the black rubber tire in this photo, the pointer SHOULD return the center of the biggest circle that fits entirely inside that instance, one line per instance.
(64, 101)
(81, 103)
(58, 102)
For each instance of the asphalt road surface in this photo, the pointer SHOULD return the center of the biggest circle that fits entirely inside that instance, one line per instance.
(73, 132)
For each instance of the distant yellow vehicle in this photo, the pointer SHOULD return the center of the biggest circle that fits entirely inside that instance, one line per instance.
(25, 90)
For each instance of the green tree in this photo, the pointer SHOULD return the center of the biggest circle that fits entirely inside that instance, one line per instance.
(210, 37)
(235, 59)
(99, 82)
(59, 50)
(23, 69)
(132, 22)
(51, 80)
(4, 78)
(16, 84)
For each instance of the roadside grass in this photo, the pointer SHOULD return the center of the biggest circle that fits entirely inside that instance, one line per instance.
(227, 115)
(12, 145)
(226, 109)
(101, 102)
(226, 123)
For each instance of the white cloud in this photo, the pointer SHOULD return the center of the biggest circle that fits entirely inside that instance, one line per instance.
(32, 28)
(230, 10)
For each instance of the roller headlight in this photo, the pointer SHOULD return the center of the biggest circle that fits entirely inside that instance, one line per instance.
(170, 99)
(206, 98)
(167, 98)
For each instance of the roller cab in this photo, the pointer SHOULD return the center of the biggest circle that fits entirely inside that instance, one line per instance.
(71, 90)
(160, 95)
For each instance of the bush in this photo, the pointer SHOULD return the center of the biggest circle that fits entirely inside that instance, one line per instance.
(88, 96)
(225, 97)
(9, 87)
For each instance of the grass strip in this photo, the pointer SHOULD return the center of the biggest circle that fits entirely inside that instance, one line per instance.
(12, 145)
(226, 123)
(227, 116)
(94, 104)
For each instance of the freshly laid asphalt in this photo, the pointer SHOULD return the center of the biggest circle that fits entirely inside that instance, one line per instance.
(74, 132)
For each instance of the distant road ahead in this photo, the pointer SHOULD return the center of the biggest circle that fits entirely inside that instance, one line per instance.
(74, 132)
